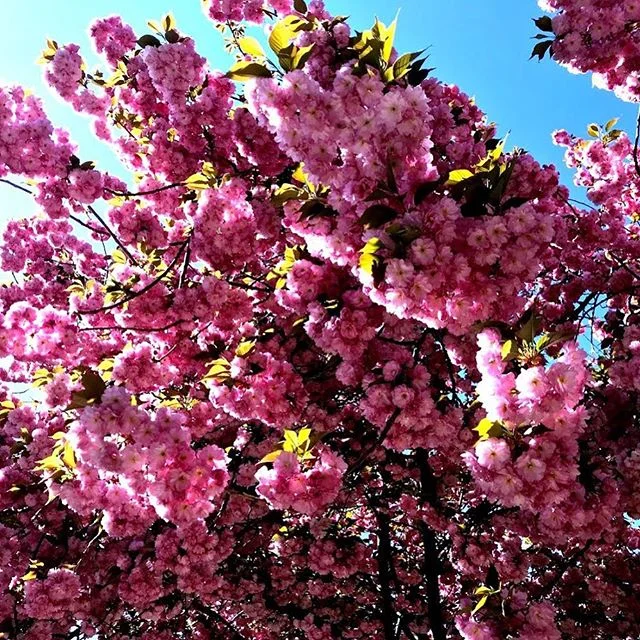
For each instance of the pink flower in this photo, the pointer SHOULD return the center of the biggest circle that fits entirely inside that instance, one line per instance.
(492, 453)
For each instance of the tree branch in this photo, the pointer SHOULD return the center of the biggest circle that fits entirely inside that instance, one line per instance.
(635, 145)
(17, 186)
(136, 294)
(359, 463)
(149, 192)
(431, 567)
(384, 575)
(112, 234)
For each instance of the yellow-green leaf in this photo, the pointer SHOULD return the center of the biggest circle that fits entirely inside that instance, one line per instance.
(288, 192)
(290, 440)
(118, 256)
(458, 176)
(301, 56)
(612, 123)
(68, 456)
(251, 46)
(243, 71)
(168, 22)
(271, 457)
(50, 463)
(593, 130)
(509, 350)
(285, 31)
(245, 348)
(219, 370)
(480, 604)
(389, 37)
(488, 429)
(197, 182)
(372, 246)
(303, 436)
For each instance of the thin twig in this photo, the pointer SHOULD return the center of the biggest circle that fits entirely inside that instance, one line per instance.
(141, 329)
(635, 145)
(359, 463)
(185, 264)
(17, 186)
(88, 226)
(149, 192)
(136, 294)
(112, 234)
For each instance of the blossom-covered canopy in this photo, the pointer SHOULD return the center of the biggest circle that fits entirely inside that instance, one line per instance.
(333, 363)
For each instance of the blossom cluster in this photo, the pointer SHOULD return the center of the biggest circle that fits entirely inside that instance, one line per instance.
(601, 37)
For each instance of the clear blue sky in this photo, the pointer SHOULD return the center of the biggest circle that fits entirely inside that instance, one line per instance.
(483, 46)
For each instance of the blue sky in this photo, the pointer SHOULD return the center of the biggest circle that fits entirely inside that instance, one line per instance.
(482, 46)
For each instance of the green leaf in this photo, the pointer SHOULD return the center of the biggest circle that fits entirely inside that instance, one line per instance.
(612, 123)
(458, 176)
(530, 328)
(541, 49)
(148, 41)
(489, 429)
(285, 31)
(424, 190)
(480, 604)
(245, 348)
(251, 46)
(389, 37)
(288, 192)
(612, 135)
(172, 36)
(169, 22)
(271, 457)
(544, 24)
(243, 71)
(94, 386)
(376, 215)
(593, 130)
(509, 350)
(301, 56)
(315, 209)
(401, 66)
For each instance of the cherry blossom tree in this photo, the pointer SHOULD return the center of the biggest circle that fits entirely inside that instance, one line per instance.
(333, 362)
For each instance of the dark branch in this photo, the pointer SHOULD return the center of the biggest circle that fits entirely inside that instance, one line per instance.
(635, 145)
(359, 463)
(112, 234)
(431, 567)
(384, 575)
(17, 186)
(137, 294)
(149, 192)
